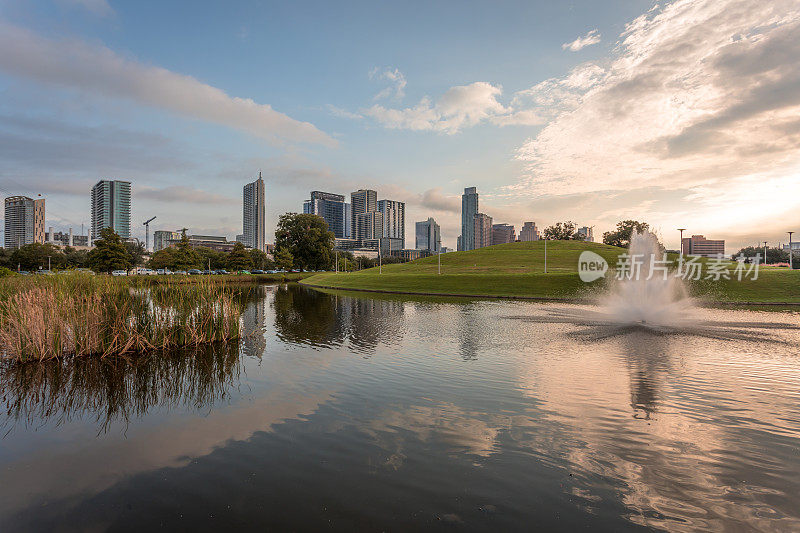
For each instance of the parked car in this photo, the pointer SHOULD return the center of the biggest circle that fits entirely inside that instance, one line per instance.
(119, 273)
(161, 272)
(222, 271)
(180, 273)
(194, 272)
(244, 272)
(257, 271)
(24, 273)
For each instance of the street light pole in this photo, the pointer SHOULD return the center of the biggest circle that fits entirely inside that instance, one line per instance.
(439, 255)
(791, 266)
(545, 254)
(765, 252)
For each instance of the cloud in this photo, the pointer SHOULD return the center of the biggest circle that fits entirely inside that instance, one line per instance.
(397, 82)
(434, 199)
(699, 93)
(459, 107)
(593, 37)
(343, 113)
(179, 193)
(101, 8)
(100, 71)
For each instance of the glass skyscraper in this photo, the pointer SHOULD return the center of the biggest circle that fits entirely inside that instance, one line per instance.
(111, 208)
(469, 208)
(428, 236)
(333, 209)
(24, 221)
(253, 214)
(394, 219)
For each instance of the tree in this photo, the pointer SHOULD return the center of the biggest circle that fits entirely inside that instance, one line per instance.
(563, 231)
(239, 258)
(307, 239)
(74, 258)
(774, 255)
(185, 257)
(283, 259)
(109, 253)
(37, 256)
(212, 259)
(261, 260)
(164, 258)
(136, 251)
(622, 235)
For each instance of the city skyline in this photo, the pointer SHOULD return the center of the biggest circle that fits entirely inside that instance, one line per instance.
(188, 121)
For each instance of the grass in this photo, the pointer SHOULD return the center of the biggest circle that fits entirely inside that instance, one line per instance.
(47, 317)
(517, 270)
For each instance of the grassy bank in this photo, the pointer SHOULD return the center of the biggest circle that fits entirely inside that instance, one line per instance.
(517, 270)
(45, 317)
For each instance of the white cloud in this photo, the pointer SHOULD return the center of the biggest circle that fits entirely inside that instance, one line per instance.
(100, 71)
(182, 194)
(593, 37)
(397, 81)
(459, 107)
(697, 95)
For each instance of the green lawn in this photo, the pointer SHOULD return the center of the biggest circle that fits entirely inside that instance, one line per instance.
(517, 270)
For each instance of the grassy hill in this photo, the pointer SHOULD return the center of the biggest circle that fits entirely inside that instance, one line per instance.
(517, 270)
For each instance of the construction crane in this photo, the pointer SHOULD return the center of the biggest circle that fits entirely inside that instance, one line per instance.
(147, 234)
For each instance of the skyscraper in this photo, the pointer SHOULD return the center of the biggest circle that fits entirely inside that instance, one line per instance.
(529, 232)
(362, 201)
(587, 232)
(469, 208)
(253, 214)
(428, 236)
(333, 209)
(369, 225)
(503, 233)
(394, 219)
(111, 208)
(24, 221)
(483, 230)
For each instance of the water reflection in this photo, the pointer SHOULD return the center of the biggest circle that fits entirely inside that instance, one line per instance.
(116, 389)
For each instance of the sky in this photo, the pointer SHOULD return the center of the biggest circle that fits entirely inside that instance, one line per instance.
(680, 114)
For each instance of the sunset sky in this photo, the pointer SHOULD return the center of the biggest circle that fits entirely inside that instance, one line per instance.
(680, 114)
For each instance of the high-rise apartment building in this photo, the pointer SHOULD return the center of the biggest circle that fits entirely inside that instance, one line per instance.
(369, 225)
(469, 208)
(253, 214)
(529, 232)
(333, 209)
(483, 230)
(699, 245)
(587, 232)
(503, 233)
(394, 219)
(361, 201)
(24, 221)
(428, 236)
(161, 239)
(111, 208)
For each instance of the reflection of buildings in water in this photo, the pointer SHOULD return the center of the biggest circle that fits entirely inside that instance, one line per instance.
(471, 330)
(117, 389)
(254, 320)
(648, 361)
(310, 317)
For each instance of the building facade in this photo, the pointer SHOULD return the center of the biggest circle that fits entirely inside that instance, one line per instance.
(699, 245)
(369, 225)
(428, 236)
(253, 214)
(161, 239)
(469, 208)
(63, 238)
(111, 208)
(24, 221)
(333, 209)
(394, 219)
(483, 230)
(529, 232)
(218, 244)
(503, 233)
(362, 201)
(587, 233)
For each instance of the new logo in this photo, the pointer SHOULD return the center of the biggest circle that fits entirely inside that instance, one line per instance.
(591, 266)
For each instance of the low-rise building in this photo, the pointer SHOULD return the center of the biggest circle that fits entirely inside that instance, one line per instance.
(503, 233)
(699, 245)
(219, 244)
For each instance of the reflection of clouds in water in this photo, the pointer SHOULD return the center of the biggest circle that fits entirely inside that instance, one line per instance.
(690, 400)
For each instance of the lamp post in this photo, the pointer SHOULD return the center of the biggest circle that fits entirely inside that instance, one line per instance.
(439, 256)
(680, 255)
(545, 254)
(791, 266)
(765, 252)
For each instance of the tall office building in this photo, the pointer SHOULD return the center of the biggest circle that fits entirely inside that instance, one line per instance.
(111, 208)
(24, 221)
(369, 225)
(361, 201)
(529, 232)
(699, 245)
(483, 230)
(587, 232)
(394, 220)
(469, 208)
(253, 214)
(333, 209)
(428, 236)
(503, 233)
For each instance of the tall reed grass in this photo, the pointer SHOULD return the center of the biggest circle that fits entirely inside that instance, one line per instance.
(79, 315)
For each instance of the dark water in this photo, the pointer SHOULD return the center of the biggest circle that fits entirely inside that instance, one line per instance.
(352, 413)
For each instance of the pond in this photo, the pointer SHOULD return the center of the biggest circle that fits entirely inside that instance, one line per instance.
(387, 413)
